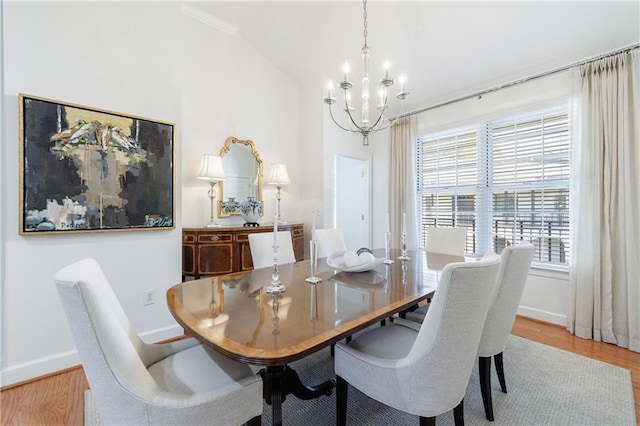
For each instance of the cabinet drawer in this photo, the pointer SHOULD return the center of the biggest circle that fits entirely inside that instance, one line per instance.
(243, 237)
(188, 238)
(215, 238)
(298, 232)
(215, 259)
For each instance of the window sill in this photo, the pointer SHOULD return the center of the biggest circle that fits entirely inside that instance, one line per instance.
(549, 271)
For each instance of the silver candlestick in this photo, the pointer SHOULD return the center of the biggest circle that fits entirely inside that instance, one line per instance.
(403, 254)
(275, 287)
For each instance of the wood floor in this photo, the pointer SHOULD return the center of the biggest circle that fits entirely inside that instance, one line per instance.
(58, 399)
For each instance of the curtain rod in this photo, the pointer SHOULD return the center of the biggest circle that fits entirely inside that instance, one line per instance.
(522, 80)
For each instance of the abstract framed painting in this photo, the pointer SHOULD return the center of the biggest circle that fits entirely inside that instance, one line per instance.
(84, 169)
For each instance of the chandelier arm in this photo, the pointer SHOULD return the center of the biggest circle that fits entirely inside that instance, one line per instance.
(381, 128)
(351, 120)
(338, 124)
(373, 126)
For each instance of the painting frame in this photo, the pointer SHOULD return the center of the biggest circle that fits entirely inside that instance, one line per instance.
(90, 170)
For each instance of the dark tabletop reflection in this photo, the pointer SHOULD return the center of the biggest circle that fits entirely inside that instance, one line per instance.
(235, 315)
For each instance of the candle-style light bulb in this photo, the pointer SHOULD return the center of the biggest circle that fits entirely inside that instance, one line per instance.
(386, 66)
(329, 88)
(402, 80)
(346, 70)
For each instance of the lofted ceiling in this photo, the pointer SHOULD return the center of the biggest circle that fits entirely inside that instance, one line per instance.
(446, 49)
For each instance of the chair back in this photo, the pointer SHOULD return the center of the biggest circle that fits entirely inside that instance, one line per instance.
(446, 240)
(330, 241)
(514, 269)
(443, 354)
(261, 245)
(107, 344)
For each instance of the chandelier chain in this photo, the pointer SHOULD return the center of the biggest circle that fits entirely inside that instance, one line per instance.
(364, 17)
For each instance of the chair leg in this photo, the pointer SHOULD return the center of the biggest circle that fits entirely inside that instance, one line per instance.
(256, 421)
(500, 370)
(458, 414)
(484, 371)
(341, 401)
(427, 421)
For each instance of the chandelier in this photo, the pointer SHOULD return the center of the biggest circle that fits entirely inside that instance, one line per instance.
(366, 124)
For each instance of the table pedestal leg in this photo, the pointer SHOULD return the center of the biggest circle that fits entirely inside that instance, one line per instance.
(280, 381)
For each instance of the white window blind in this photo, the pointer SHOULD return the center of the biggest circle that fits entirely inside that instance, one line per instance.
(507, 181)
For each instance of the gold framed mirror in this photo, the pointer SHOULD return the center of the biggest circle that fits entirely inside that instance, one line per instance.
(243, 167)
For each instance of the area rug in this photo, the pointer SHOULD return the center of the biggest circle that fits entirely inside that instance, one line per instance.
(546, 386)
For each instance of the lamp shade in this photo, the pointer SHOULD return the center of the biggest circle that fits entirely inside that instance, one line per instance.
(211, 168)
(278, 175)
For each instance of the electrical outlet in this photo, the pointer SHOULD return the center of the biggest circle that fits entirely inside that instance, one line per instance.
(149, 297)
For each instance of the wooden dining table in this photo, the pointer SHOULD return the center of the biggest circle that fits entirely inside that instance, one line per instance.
(234, 315)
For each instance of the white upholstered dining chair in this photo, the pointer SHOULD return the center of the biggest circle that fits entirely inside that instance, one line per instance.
(330, 241)
(261, 246)
(446, 240)
(133, 382)
(512, 276)
(442, 240)
(423, 370)
(514, 269)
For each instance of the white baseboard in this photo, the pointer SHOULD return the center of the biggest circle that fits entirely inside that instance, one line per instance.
(538, 314)
(47, 365)
(160, 334)
(39, 367)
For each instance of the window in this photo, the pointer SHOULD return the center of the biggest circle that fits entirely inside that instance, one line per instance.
(506, 181)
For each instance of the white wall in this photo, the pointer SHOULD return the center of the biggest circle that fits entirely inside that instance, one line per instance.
(119, 56)
(314, 180)
(228, 89)
(145, 59)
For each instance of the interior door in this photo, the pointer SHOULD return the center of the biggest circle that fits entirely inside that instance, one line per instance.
(352, 200)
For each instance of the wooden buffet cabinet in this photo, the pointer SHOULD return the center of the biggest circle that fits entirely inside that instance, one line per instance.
(214, 251)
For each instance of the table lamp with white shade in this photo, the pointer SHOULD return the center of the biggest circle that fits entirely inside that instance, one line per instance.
(212, 170)
(279, 177)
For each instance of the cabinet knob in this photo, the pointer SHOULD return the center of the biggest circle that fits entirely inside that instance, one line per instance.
(185, 238)
(214, 238)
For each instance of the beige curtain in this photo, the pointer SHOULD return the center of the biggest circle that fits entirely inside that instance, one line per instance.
(402, 182)
(605, 224)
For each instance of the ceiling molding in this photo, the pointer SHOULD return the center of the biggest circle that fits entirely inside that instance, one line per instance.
(209, 19)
